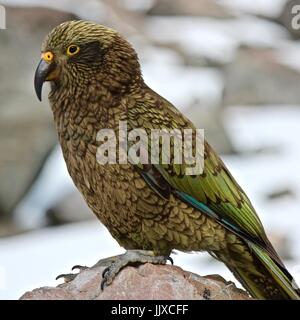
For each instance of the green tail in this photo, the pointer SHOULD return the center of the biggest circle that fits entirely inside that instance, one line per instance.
(264, 278)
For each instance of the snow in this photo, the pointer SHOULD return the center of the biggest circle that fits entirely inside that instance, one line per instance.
(199, 36)
(217, 40)
(288, 54)
(265, 127)
(25, 259)
(55, 182)
(188, 84)
(88, 9)
(268, 8)
(137, 5)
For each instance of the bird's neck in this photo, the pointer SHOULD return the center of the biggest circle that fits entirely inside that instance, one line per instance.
(103, 90)
(89, 110)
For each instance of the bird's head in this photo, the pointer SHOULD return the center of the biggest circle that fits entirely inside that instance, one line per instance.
(77, 54)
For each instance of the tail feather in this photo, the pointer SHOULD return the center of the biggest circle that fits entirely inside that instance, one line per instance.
(264, 278)
(285, 284)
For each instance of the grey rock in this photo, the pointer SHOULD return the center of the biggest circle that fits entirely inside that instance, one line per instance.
(146, 282)
(207, 8)
(254, 77)
(71, 208)
(211, 120)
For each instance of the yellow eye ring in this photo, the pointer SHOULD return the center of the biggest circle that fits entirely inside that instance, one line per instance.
(48, 56)
(72, 50)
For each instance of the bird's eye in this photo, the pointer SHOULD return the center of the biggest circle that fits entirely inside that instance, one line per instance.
(72, 50)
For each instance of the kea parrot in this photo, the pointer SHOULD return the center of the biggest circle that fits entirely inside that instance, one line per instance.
(150, 209)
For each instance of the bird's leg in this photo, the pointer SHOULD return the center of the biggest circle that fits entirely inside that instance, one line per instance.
(130, 257)
(116, 263)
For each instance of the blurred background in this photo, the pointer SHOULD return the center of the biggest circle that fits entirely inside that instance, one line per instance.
(232, 66)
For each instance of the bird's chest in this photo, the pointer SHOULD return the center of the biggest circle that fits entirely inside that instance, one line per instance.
(78, 135)
(107, 188)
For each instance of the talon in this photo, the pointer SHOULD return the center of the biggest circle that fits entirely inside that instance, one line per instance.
(104, 272)
(79, 267)
(103, 284)
(171, 260)
(60, 276)
(68, 277)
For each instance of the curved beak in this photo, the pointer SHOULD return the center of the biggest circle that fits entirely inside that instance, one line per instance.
(42, 72)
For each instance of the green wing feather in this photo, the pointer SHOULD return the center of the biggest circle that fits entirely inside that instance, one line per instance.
(214, 192)
(220, 192)
(215, 188)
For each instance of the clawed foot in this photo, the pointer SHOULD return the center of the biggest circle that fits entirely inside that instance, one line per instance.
(130, 257)
(68, 277)
(116, 263)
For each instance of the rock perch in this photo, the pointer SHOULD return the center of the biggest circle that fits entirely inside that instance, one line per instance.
(144, 282)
